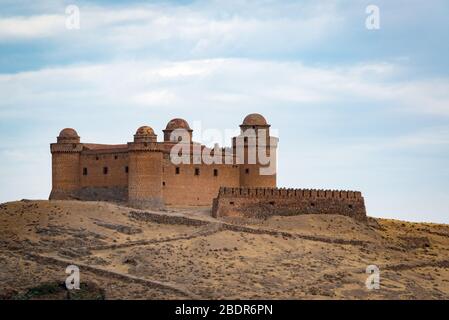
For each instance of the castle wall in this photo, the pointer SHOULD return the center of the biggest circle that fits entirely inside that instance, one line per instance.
(98, 184)
(95, 164)
(250, 177)
(187, 188)
(263, 202)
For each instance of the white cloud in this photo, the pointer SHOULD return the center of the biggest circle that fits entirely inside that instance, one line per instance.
(18, 28)
(155, 98)
(430, 137)
(201, 29)
(223, 81)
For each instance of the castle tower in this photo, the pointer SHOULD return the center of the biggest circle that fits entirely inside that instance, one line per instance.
(173, 125)
(145, 170)
(65, 164)
(253, 147)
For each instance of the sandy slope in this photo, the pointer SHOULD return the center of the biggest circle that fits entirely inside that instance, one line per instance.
(138, 255)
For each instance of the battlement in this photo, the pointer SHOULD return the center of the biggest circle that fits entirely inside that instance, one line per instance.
(66, 147)
(244, 192)
(144, 146)
(263, 202)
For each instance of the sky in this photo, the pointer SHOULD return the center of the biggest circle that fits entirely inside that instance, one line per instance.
(354, 108)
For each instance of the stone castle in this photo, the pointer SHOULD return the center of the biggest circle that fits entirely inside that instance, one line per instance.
(143, 174)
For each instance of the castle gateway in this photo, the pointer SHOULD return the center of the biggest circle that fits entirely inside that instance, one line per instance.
(144, 174)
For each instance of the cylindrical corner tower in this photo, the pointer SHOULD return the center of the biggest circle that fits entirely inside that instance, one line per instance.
(145, 170)
(256, 153)
(65, 165)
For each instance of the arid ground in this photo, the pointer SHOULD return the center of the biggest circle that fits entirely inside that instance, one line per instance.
(124, 253)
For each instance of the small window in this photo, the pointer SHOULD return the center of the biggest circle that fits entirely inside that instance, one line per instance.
(231, 203)
(350, 206)
(197, 171)
(247, 171)
(271, 203)
(215, 172)
(115, 157)
(312, 204)
(105, 170)
(96, 158)
(177, 170)
(84, 171)
(126, 169)
(163, 183)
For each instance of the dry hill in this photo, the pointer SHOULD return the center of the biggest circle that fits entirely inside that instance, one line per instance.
(184, 253)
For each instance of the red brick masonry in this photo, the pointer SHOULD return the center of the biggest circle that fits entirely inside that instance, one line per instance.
(142, 173)
(263, 202)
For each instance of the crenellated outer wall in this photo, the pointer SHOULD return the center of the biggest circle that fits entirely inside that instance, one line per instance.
(264, 202)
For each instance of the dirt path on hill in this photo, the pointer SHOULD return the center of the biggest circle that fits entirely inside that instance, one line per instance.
(112, 274)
